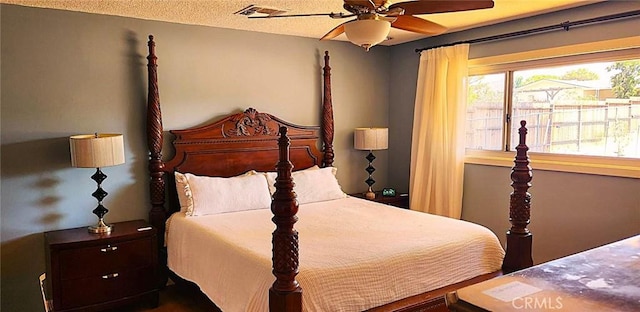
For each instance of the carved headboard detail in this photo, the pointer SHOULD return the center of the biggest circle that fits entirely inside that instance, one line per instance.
(250, 123)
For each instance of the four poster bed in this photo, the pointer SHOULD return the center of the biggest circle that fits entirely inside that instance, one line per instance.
(221, 240)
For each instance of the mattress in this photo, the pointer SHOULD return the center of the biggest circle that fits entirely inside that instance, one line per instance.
(354, 254)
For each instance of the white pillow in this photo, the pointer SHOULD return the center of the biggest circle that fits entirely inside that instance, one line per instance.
(184, 192)
(210, 195)
(317, 185)
(271, 177)
(313, 184)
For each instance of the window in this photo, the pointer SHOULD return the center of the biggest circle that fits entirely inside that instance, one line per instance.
(485, 112)
(581, 110)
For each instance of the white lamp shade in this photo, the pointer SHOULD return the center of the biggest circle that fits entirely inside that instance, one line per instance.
(367, 32)
(96, 150)
(371, 139)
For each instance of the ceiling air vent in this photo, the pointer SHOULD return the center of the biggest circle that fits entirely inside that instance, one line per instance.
(259, 10)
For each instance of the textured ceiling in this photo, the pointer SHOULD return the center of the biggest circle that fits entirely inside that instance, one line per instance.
(219, 13)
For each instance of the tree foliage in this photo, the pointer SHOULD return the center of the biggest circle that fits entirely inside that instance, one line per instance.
(518, 81)
(580, 74)
(480, 90)
(535, 78)
(625, 82)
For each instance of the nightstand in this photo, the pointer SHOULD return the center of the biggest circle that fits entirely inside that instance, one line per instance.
(400, 200)
(91, 272)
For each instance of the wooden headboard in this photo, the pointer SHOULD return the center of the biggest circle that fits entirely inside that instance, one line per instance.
(230, 146)
(239, 143)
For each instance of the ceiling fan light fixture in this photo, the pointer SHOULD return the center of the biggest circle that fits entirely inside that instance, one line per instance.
(367, 32)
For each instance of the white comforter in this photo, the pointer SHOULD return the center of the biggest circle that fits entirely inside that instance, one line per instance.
(354, 254)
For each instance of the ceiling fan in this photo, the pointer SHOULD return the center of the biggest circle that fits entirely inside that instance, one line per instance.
(374, 18)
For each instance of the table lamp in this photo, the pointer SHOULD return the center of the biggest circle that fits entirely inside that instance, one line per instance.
(370, 139)
(96, 151)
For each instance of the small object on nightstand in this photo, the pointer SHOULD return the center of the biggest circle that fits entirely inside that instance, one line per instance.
(96, 272)
(389, 192)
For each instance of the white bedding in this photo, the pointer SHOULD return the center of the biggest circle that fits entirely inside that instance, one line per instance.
(354, 254)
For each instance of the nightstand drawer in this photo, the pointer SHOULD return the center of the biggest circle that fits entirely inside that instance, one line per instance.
(103, 259)
(100, 288)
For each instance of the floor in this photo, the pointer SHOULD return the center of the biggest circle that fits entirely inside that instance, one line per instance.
(176, 298)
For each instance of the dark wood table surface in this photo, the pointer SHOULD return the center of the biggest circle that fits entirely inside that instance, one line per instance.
(605, 278)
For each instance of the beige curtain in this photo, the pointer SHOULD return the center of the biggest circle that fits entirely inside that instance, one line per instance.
(437, 146)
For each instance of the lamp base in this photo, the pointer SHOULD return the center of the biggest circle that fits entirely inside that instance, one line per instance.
(370, 181)
(100, 228)
(370, 195)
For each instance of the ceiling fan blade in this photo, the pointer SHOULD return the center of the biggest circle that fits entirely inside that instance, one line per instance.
(418, 25)
(441, 6)
(338, 30)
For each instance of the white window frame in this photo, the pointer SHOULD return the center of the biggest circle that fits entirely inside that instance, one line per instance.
(601, 51)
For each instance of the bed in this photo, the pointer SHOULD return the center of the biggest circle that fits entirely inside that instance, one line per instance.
(317, 245)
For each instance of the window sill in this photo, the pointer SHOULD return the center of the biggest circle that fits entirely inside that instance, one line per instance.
(599, 165)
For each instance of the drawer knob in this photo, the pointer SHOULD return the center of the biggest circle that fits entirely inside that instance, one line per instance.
(108, 276)
(109, 248)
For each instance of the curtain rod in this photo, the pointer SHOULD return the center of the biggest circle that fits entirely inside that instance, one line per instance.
(566, 25)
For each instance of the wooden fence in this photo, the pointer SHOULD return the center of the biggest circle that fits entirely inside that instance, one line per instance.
(611, 128)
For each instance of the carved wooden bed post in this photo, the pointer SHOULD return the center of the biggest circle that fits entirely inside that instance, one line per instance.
(519, 238)
(157, 215)
(285, 294)
(327, 115)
